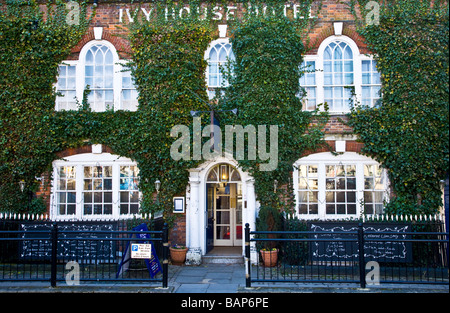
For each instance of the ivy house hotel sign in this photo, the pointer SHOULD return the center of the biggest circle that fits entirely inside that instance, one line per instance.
(221, 13)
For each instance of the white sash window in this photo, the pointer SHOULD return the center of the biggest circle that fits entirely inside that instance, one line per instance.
(92, 186)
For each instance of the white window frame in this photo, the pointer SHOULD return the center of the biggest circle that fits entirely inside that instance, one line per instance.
(118, 67)
(369, 58)
(357, 68)
(67, 63)
(124, 67)
(305, 86)
(326, 158)
(224, 41)
(79, 161)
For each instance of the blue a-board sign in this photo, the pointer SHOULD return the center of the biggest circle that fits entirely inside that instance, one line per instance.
(153, 264)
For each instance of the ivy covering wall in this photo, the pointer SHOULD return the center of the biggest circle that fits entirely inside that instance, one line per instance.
(33, 43)
(408, 132)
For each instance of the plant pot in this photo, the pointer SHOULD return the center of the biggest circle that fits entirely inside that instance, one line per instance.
(178, 256)
(270, 258)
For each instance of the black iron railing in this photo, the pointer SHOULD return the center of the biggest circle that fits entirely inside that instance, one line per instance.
(56, 252)
(355, 256)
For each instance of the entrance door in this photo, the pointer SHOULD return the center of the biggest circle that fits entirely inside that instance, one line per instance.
(224, 208)
(227, 215)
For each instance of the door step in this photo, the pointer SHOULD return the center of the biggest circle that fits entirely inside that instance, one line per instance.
(223, 259)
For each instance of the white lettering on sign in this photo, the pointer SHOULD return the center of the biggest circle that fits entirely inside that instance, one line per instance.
(218, 13)
(141, 251)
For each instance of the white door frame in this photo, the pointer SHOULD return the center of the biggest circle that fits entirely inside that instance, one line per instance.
(196, 219)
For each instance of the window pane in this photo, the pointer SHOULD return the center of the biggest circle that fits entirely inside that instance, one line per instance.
(71, 208)
(109, 57)
(327, 67)
(351, 183)
(351, 208)
(330, 209)
(348, 53)
(348, 66)
(89, 57)
(327, 53)
(98, 58)
(337, 66)
(337, 54)
(330, 184)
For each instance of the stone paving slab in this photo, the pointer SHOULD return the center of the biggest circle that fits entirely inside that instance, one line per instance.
(214, 278)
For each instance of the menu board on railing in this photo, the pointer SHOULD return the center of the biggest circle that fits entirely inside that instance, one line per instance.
(76, 241)
(338, 241)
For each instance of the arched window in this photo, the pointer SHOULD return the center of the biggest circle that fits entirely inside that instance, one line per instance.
(338, 75)
(99, 76)
(218, 56)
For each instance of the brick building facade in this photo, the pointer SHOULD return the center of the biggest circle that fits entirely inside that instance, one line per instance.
(326, 185)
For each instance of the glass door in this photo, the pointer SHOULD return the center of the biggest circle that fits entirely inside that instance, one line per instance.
(228, 215)
(223, 217)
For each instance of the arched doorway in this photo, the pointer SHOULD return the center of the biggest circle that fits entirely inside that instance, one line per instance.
(237, 202)
(224, 204)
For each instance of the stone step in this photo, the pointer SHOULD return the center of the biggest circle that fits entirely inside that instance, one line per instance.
(223, 259)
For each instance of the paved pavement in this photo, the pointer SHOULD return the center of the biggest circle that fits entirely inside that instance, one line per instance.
(213, 278)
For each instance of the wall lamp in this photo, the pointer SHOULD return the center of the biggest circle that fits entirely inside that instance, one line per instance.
(22, 185)
(157, 185)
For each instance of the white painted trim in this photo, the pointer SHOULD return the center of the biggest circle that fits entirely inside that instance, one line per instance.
(98, 33)
(223, 41)
(117, 77)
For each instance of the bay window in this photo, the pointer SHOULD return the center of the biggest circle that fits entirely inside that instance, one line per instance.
(90, 186)
(347, 185)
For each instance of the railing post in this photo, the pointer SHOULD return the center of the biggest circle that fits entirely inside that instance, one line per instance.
(54, 239)
(362, 266)
(165, 242)
(248, 282)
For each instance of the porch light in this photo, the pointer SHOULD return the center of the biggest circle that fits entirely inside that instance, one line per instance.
(224, 173)
(275, 185)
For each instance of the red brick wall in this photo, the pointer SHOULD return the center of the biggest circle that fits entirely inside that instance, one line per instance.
(177, 234)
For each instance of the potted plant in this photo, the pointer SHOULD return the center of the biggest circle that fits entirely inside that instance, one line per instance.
(269, 220)
(178, 254)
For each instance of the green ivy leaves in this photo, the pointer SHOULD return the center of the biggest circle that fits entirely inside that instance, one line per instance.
(32, 47)
(409, 132)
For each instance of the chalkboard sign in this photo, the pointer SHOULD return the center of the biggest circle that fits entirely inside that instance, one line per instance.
(81, 243)
(337, 248)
